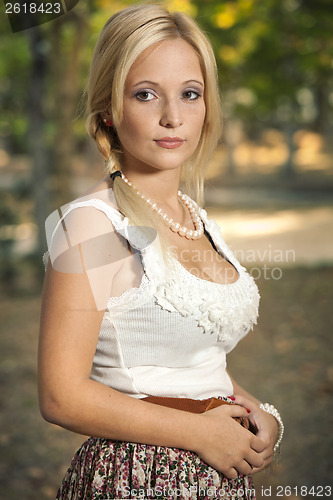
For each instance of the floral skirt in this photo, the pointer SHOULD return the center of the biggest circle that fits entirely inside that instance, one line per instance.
(104, 469)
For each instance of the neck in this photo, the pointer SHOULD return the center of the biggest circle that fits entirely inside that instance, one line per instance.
(159, 186)
(197, 227)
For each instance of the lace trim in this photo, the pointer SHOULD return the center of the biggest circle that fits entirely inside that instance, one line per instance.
(131, 298)
(227, 311)
(45, 259)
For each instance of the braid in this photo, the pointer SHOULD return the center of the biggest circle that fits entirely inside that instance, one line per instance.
(106, 139)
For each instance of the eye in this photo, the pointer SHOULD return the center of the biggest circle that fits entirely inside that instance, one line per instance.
(144, 95)
(191, 95)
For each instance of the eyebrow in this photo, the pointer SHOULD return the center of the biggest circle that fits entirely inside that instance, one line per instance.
(147, 82)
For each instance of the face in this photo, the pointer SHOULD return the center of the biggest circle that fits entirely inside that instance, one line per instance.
(164, 108)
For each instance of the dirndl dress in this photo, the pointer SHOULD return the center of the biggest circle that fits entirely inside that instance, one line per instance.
(197, 316)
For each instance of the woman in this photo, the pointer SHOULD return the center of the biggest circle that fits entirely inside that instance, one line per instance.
(142, 297)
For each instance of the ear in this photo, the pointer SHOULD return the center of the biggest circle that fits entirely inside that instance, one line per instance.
(107, 118)
(108, 123)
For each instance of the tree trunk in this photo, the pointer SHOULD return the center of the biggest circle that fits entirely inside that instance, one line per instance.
(66, 72)
(232, 136)
(39, 152)
(319, 125)
(288, 169)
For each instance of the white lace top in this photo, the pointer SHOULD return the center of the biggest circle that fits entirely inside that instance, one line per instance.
(169, 336)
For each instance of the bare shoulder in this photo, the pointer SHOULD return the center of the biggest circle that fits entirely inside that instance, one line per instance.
(101, 190)
(86, 220)
(82, 241)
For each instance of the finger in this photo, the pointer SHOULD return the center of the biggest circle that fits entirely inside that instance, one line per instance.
(257, 469)
(263, 467)
(244, 468)
(255, 459)
(266, 462)
(237, 411)
(231, 473)
(269, 447)
(245, 402)
(257, 444)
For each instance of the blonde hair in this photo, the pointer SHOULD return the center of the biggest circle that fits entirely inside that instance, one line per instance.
(123, 38)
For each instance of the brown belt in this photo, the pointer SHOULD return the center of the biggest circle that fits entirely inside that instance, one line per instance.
(194, 405)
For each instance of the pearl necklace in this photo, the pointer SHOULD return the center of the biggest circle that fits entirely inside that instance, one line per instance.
(175, 226)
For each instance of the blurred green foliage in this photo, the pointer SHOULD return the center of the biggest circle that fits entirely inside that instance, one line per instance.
(14, 74)
(274, 59)
(8, 218)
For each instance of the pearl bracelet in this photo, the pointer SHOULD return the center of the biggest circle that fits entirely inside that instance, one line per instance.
(273, 411)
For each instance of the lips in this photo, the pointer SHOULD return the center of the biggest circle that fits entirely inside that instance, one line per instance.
(170, 142)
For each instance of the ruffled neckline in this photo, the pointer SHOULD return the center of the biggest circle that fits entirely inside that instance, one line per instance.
(227, 311)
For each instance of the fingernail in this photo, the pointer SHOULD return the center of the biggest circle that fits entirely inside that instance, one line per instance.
(232, 398)
(249, 411)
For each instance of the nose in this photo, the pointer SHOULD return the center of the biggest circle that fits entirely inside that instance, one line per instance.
(171, 115)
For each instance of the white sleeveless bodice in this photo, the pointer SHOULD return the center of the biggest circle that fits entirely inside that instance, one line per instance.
(170, 335)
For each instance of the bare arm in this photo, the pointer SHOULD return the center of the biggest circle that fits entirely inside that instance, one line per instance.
(68, 397)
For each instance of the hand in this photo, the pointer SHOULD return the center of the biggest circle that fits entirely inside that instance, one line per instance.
(226, 445)
(266, 428)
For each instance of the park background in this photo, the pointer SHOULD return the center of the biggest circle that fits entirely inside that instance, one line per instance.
(269, 186)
